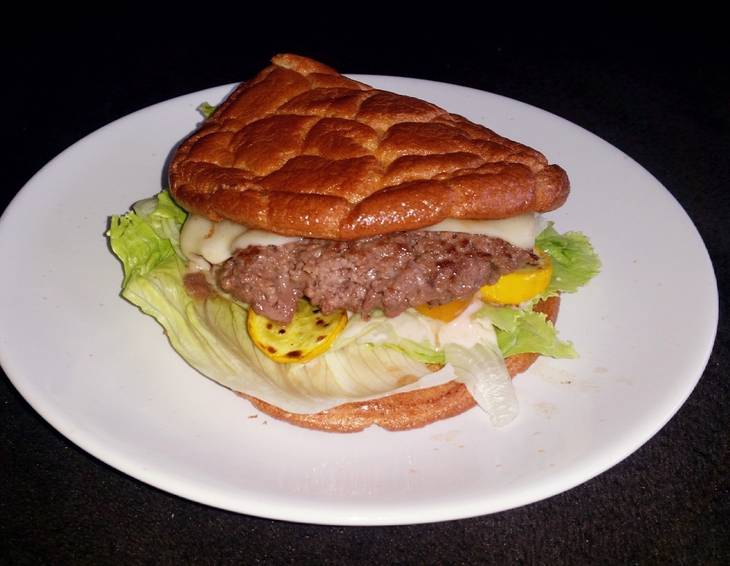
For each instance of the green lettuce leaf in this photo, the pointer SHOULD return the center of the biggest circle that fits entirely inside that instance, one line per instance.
(521, 331)
(574, 260)
(421, 352)
(206, 109)
(146, 238)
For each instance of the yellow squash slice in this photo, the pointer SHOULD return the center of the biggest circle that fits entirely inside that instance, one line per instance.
(309, 334)
(447, 312)
(521, 285)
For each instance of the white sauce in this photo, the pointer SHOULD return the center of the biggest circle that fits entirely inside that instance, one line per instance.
(467, 331)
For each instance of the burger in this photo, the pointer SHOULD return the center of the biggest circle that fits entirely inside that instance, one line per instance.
(343, 257)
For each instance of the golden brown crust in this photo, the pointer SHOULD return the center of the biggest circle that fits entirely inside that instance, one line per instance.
(404, 410)
(303, 151)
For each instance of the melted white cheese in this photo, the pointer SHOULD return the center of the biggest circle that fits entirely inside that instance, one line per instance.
(519, 231)
(214, 242)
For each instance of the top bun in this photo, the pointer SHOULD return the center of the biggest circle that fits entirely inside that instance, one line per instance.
(301, 150)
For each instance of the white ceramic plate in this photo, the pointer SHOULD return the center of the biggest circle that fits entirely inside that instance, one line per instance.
(103, 374)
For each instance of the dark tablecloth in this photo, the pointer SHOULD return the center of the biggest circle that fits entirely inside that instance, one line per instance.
(661, 97)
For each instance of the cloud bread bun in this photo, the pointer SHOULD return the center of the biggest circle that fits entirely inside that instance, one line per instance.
(301, 150)
(403, 411)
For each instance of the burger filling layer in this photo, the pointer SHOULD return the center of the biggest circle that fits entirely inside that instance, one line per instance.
(391, 272)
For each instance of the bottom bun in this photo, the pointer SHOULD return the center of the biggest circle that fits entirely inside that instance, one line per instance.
(403, 411)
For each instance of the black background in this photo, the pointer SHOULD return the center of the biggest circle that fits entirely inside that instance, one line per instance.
(658, 91)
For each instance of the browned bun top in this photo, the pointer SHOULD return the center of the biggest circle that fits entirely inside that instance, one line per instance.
(303, 151)
(403, 411)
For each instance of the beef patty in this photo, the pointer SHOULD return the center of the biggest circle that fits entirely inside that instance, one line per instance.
(390, 272)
